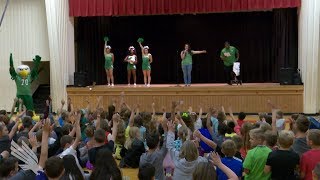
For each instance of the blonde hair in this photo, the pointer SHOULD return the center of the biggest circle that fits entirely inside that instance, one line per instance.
(257, 134)
(183, 133)
(120, 137)
(314, 136)
(189, 151)
(245, 130)
(286, 138)
(204, 171)
(265, 127)
(132, 135)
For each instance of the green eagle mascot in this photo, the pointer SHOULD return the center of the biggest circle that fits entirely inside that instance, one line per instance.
(23, 78)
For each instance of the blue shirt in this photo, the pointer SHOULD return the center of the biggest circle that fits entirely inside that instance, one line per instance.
(41, 175)
(215, 124)
(143, 131)
(234, 164)
(206, 148)
(61, 122)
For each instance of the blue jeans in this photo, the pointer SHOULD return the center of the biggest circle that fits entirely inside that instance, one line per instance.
(186, 69)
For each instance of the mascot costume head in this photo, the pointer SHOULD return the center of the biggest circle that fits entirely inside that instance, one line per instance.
(23, 78)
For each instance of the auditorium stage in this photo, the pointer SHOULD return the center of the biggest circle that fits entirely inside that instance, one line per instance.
(249, 98)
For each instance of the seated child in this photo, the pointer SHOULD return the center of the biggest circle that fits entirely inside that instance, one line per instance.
(133, 149)
(147, 172)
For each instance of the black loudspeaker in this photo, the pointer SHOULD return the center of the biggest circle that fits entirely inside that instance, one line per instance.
(81, 79)
(286, 76)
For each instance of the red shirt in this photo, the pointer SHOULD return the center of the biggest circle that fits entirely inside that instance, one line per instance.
(106, 141)
(240, 122)
(308, 161)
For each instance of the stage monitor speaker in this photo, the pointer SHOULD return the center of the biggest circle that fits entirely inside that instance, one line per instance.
(81, 79)
(286, 76)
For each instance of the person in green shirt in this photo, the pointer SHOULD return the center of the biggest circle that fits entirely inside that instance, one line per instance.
(186, 62)
(146, 64)
(257, 157)
(229, 55)
(108, 64)
(132, 60)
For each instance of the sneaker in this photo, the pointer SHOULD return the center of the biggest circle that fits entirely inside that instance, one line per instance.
(108, 84)
(148, 85)
(135, 84)
(129, 84)
(112, 85)
(145, 85)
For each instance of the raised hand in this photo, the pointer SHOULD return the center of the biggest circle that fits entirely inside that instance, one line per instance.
(33, 141)
(215, 159)
(63, 102)
(170, 126)
(46, 126)
(174, 104)
(164, 124)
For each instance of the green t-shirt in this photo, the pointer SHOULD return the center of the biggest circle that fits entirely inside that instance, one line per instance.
(187, 60)
(230, 55)
(23, 85)
(255, 161)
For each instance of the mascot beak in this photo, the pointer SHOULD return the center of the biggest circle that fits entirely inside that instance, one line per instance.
(24, 73)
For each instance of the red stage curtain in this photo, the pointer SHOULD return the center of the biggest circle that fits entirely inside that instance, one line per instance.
(157, 7)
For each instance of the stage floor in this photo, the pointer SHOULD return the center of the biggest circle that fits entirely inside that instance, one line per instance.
(248, 97)
(192, 85)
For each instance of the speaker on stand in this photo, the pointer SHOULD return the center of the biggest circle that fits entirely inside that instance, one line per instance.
(286, 76)
(81, 79)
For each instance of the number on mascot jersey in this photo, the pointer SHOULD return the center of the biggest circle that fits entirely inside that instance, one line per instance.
(24, 82)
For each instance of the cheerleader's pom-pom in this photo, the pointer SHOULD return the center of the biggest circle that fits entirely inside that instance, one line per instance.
(140, 40)
(106, 38)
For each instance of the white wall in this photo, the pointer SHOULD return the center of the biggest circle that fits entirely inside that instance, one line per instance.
(24, 33)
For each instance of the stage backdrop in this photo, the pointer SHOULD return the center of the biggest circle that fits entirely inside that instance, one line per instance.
(266, 42)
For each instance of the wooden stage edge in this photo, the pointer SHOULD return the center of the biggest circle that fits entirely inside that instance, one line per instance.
(249, 98)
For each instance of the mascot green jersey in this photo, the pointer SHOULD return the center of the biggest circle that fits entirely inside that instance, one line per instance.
(23, 78)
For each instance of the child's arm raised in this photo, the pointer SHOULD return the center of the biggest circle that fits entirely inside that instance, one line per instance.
(215, 160)
(204, 139)
(15, 127)
(209, 126)
(78, 131)
(131, 119)
(232, 116)
(44, 143)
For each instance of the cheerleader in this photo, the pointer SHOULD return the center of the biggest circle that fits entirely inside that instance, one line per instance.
(146, 67)
(108, 65)
(132, 60)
